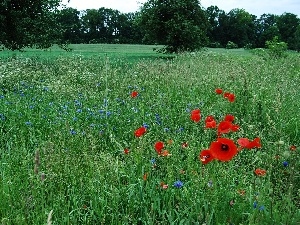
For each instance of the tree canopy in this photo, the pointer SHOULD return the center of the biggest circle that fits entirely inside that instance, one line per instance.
(179, 25)
(28, 23)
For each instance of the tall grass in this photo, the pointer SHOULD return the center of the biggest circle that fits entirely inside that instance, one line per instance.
(66, 122)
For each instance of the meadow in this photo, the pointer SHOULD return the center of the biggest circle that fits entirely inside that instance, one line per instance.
(115, 134)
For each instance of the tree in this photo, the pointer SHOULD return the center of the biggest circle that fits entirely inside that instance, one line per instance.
(29, 23)
(297, 39)
(266, 29)
(241, 27)
(287, 24)
(69, 20)
(179, 25)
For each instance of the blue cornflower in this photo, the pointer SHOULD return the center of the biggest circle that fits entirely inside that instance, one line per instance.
(146, 125)
(285, 163)
(79, 110)
(73, 132)
(178, 184)
(262, 208)
(2, 117)
(255, 204)
(153, 161)
(28, 123)
(158, 119)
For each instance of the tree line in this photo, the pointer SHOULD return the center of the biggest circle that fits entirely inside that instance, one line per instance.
(179, 25)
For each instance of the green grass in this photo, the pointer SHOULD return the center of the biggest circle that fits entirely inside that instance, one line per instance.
(131, 53)
(78, 114)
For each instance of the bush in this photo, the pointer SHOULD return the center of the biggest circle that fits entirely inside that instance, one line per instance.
(248, 46)
(215, 45)
(231, 45)
(276, 49)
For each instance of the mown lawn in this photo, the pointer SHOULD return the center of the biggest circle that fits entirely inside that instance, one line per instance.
(69, 153)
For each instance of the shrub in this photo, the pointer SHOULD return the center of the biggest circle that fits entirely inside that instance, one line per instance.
(276, 49)
(231, 45)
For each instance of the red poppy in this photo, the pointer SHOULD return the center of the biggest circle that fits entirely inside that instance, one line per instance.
(139, 132)
(126, 151)
(229, 118)
(219, 91)
(224, 127)
(210, 122)
(243, 142)
(234, 127)
(231, 97)
(195, 115)
(293, 148)
(134, 94)
(223, 149)
(260, 172)
(246, 143)
(205, 156)
(226, 94)
(159, 146)
(254, 144)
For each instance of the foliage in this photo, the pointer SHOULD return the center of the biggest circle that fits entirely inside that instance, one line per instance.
(276, 49)
(231, 45)
(179, 25)
(29, 23)
(287, 24)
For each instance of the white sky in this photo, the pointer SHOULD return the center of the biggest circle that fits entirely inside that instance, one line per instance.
(256, 7)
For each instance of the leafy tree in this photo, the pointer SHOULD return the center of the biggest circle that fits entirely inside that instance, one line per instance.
(287, 24)
(179, 25)
(29, 23)
(213, 14)
(297, 39)
(241, 27)
(266, 29)
(69, 20)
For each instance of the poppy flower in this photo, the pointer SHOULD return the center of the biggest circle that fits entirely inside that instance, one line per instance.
(134, 94)
(226, 94)
(234, 127)
(159, 146)
(231, 97)
(126, 151)
(260, 172)
(195, 115)
(205, 156)
(243, 142)
(254, 144)
(246, 143)
(139, 132)
(223, 149)
(293, 148)
(210, 122)
(219, 91)
(224, 127)
(229, 118)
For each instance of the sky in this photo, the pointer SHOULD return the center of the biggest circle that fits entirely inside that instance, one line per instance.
(255, 7)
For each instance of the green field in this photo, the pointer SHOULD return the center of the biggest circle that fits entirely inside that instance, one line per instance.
(69, 154)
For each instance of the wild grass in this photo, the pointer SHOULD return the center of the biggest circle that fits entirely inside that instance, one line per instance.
(66, 122)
